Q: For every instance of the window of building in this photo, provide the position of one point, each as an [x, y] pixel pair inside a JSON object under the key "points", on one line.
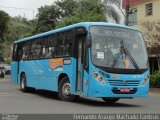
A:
{"points": [[149, 9], [133, 17]]}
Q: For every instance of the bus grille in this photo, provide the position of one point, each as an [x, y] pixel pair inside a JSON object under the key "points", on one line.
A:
{"points": [[124, 82]]}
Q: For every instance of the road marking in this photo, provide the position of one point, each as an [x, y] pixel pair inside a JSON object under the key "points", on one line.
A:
{"points": [[3, 80], [7, 94]]}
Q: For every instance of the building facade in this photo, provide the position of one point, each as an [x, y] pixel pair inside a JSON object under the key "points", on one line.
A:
{"points": [[140, 12]]}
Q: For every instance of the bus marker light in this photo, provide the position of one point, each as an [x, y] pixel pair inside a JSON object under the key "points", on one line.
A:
{"points": [[86, 82]]}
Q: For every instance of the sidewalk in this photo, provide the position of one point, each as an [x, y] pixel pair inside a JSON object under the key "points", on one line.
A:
{"points": [[157, 90]]}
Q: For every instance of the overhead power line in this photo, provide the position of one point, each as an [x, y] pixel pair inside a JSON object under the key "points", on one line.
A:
{"points": [[17, 8]]}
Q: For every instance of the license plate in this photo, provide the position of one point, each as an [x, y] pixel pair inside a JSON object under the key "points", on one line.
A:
{"points": [[125, 90]]}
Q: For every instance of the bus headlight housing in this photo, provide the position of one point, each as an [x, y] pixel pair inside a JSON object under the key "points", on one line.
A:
{"points": [[99, 78], [145, 80]]}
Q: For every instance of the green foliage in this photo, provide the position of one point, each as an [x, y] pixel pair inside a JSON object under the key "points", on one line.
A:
{"points": [[67, 12], [66, 7], [155, 80], [19, 29], [8, 61], [47, 17], [87, 11], [4, 19]]}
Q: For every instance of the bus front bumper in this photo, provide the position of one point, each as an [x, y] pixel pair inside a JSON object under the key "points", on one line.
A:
{"points": [[112, 92]]}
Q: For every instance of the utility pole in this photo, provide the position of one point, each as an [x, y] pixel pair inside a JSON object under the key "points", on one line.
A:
{"points": [[33, 14], [127, 12]]}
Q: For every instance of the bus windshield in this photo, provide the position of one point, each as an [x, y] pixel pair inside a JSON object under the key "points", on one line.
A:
{"points": [[118, 48]]}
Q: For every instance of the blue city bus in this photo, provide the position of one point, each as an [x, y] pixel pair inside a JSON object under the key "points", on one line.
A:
{"points": [[92, 59]]}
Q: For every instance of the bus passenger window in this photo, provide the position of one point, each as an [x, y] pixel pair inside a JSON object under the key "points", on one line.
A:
{"points": [[14, 54], [25, 53], [68, 49], [35, 49]]}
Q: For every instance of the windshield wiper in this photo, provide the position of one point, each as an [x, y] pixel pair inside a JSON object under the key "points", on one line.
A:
{"points": [[131, 58], [126, 52], [116, 59]]}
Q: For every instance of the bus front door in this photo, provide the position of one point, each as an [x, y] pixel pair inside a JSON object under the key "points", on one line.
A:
{"points": [[80, 70], [15, 64]]}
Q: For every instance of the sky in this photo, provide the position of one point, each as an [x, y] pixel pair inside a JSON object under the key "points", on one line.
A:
{"points": [[13, 7]]}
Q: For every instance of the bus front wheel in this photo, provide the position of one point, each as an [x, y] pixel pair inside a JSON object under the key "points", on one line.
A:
{"points": [[23, 85], [64, 92], [110, 100]]}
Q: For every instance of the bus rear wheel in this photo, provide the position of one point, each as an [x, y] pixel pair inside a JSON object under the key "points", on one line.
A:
{"points": [[23, 85], [64, 92], [110, 100]]}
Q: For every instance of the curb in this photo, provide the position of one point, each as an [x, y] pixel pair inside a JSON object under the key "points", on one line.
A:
{"points": [[155, 90]]}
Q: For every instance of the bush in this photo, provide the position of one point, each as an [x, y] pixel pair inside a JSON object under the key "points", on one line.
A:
{"points": [[155, 80], [8, 61]]}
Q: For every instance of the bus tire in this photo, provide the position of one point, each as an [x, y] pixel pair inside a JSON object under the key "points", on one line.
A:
{"points": [[110, 100], [64, 92], [23, 85]]}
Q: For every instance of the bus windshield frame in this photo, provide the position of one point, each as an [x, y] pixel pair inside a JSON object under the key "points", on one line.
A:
{"points": [[125, 48]]}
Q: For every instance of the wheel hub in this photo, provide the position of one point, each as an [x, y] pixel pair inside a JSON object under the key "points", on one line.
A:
{"points": [[66, 89], [22, 84]]}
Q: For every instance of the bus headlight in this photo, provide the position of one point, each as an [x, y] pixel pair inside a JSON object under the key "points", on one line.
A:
{"points": [[99, 78], [95, 75], [145, 80]]}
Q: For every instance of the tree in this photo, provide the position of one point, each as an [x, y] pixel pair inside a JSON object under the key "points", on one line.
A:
{"points": [[66, 7], [66, 12], [46, 18], [85, 11], [151, 31], [4, 19], [111, 11], [18, 28]]}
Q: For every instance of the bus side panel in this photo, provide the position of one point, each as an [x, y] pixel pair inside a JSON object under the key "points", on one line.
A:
{"points": [[85, 83], [48, 79], [52, 73], [31, 70], [40, 76], [72, 75], [70, 70], [14, 72]]}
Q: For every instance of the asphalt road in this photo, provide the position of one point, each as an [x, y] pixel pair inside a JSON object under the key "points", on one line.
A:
{"points": [[12, 100]]}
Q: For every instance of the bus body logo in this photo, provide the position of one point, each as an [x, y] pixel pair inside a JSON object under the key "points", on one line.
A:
{"points": [[125, 82], [55, 63]]}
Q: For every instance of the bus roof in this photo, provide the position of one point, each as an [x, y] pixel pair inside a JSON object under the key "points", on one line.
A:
{"points": [[82, 24]]}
